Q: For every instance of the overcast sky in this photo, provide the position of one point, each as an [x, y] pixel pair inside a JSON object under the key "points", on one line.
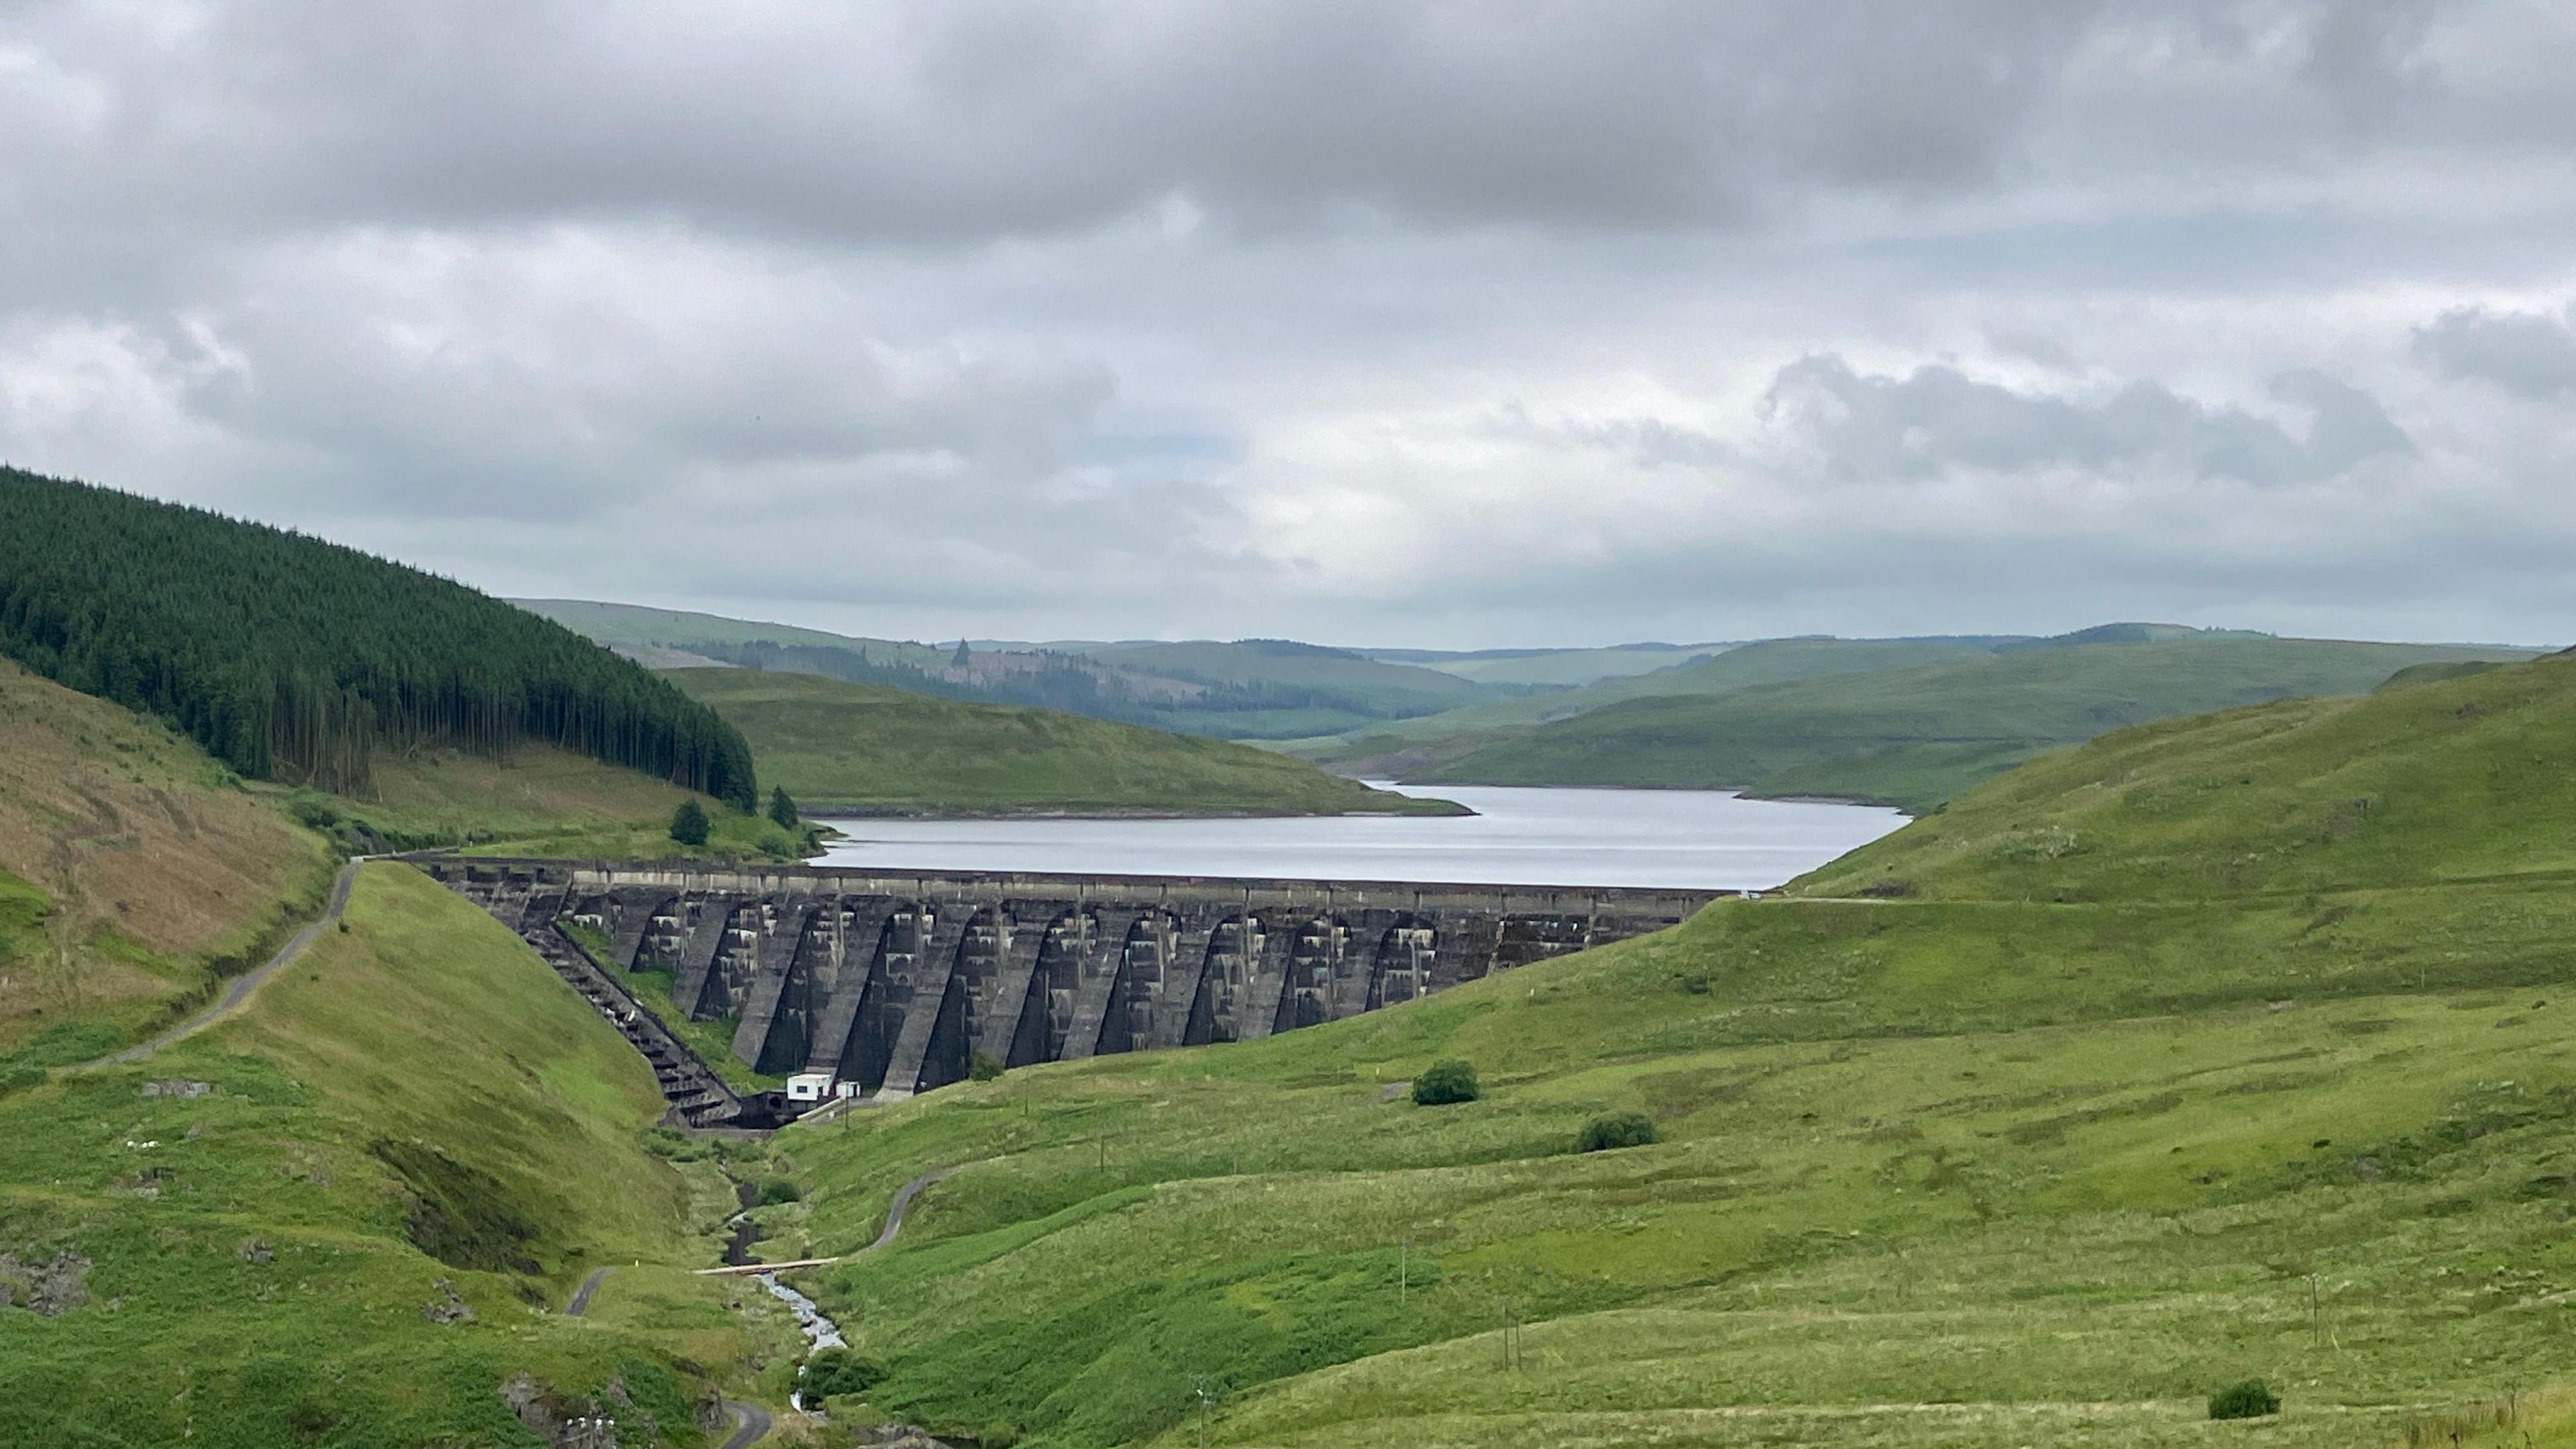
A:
{"points": [[1439, 324]]}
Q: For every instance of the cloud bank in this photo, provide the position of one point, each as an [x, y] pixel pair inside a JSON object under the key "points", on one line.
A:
{"points": [[1416, 322]]}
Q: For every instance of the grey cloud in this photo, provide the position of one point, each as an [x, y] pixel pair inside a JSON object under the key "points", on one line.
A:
{"points": [[927, 121], [1936, 419], [2526, 353]]}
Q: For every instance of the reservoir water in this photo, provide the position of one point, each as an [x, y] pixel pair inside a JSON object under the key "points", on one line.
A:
{"points": [[1673, 839]]}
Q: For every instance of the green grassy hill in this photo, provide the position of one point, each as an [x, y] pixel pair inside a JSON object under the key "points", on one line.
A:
{"points": [[1916, 736], [876, 749], [2213, 1049], [416, 1106], [1404, 748]]}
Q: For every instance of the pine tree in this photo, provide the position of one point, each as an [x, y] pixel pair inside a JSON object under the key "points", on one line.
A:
{"points": [[781, 809], [689, 824], [962, 658]]}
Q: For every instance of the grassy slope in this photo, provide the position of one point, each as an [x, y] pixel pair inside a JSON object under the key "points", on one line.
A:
{"points": [[1403, 748], [421, 1056], [1915, 737], [2041, 1153], [539, 800], [133, 871], [837, 746]]}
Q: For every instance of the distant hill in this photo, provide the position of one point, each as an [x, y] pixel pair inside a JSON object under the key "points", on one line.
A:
{"points": [[840, 747], [1247, 689], [294, 659], [1551, 668], [1402, 748], [1913, 734]]}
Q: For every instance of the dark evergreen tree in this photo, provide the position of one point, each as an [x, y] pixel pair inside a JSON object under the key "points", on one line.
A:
{"points": [[689, 824], [290, 658], [781, 809], [963, 657]]}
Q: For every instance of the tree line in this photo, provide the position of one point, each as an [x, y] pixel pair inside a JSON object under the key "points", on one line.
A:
{"points": [[295, 659]]}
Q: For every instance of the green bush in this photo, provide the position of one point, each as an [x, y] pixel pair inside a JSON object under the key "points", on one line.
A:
{"points": [[19, 1079], [689, 824], [313, 812], [775, 1190], [2247, 1400], [835, 1371], [1616, 1129], [1444, 1082], [984, 1068], [782, 810]]}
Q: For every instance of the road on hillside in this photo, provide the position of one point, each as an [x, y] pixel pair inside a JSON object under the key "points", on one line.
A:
{"points": [[751, 1424], [902, 1204], [243, 985], [581, 1295]]}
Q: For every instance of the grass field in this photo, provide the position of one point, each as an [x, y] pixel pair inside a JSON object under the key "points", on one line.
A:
{"points": [[2161, 1063], [417, 1102], [1918, 735], [874, 749]]}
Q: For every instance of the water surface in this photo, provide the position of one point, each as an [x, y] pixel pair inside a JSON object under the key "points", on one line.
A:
{"points": [[1671, 839]]}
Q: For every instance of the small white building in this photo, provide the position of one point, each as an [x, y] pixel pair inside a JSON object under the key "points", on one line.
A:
{"points": [[809, 1086]]}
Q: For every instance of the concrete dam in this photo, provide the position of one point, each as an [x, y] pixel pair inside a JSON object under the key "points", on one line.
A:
{"points": [[858, 982]]}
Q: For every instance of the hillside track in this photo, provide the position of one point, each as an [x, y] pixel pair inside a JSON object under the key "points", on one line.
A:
{"points": [[751, 1424], [240, 988], [581, 1296]]}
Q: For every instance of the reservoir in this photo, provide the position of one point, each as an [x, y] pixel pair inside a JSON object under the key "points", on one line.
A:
{"points": [[1670, 839]]}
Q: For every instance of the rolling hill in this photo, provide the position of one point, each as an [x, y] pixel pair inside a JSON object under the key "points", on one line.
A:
{"points": [[1912, 735], [1247, 689], [874, 749], [1552, 668], [1400, 748], [2213, 1049]]}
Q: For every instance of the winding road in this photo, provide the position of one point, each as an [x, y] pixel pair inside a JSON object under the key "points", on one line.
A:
{"points": [[902, 1204], [750, 1424], [243, 985], [581, 1295]]}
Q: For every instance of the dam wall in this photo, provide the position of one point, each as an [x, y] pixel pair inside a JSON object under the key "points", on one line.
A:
{"points": [[892, 983]]}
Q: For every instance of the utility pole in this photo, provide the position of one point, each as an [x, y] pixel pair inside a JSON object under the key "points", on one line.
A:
{"points": [[2316, 1313], [1404, 1272], [1206, 1390]]}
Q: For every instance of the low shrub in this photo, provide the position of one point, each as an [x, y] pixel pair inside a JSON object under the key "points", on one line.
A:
{"points": [[2249, 1399], [313, 812], [1445, 1082], [984, 1068], [833, 1371], [776, 1190], [1616, 1129]]}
